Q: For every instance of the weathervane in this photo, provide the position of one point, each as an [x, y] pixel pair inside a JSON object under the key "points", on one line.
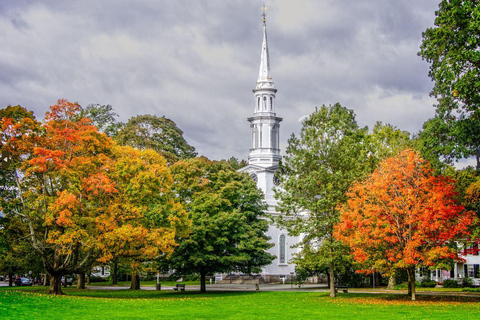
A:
{"points": [[264, 14]]}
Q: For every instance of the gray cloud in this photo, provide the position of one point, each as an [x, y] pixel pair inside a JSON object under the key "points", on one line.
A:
{"points": [[196, 62]]}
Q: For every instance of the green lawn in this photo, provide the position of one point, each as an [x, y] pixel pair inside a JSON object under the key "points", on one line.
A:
{"points": [[32, 303]]}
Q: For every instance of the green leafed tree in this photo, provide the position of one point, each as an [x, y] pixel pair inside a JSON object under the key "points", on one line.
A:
{"points": [[228, 222], [103, 117], [17, 255], [157, 133], [235, 163], [319, 167], [386, 141], [452, 47]]}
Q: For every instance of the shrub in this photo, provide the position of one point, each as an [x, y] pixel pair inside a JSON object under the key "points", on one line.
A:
{"points": [[467, 283], [450, 283], [427, 283], [192, 277], [173, 277], [97, 279]]}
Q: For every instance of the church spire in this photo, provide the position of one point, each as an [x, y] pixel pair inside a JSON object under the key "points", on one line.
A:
{"points": [[265, 125], [264, 73]]}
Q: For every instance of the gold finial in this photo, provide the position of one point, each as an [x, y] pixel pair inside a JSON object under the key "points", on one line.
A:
{"points": [[264, 14]]}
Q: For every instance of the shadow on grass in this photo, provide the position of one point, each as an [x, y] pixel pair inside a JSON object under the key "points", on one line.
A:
{"points": [[403, 298], [354, 298], [135, 294]]}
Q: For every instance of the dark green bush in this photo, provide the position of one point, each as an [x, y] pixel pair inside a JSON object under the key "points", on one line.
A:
{"points": [[427, 283], [192, 277], [467, 283], [450, 283], [97, 279]]}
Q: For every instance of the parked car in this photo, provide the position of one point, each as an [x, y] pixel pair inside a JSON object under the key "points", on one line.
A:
{"points": [[69, 281], [476, 282], [23, 282]]}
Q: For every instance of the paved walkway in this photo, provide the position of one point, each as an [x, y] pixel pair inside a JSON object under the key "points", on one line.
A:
{"points": [[229, 287]]}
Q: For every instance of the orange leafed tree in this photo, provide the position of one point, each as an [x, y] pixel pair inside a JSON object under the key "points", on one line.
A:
{"points": [[141, 220], [402, 217], [79, 195], [52, 165]]}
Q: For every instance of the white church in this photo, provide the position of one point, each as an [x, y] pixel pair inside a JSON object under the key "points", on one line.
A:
{"points": [[263, 163]]}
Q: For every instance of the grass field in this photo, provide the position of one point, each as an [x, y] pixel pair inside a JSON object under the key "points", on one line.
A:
{"points": [[33, 303]]}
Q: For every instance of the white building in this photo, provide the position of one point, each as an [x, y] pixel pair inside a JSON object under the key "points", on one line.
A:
{"points": [[470, 268], [263, 161]]}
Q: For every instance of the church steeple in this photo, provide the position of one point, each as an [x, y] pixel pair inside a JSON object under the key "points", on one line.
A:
{"points": [[265, 125], [264, 73]]}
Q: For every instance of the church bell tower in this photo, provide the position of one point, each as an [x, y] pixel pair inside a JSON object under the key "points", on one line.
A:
{"points": [[263, 162], [265, 125]]}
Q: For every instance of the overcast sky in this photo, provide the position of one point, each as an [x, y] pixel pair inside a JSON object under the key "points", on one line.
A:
{"points": [[196, 62]]}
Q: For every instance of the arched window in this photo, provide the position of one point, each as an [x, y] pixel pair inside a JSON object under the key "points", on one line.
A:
{"points": [[282, 249], [265, 103], [271, 103], [258, 103]]}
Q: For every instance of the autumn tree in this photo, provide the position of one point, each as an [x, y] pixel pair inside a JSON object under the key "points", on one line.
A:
{"points": [[472, 198], [18, 134], [228, 222], [142, 219], [58, 169], [452, 48], [402, 217], [157, 133], [319, 167]]}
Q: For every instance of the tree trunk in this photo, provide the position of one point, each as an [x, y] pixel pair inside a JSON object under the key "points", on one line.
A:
{"points": [[332, 281], [65, 283], [377, 279], [115, 271], [88, 278], [203, 276], [477, 156], [81, 280], [45, 280], [135, 284], [391, 282], [10, 279], [56, 285], [411, 283]]}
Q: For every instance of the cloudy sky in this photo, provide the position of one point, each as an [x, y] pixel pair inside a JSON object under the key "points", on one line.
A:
{"points": [[196, 62]]}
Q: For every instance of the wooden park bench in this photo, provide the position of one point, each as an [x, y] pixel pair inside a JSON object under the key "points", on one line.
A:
{"points": [[343, 287], [179, 287]]}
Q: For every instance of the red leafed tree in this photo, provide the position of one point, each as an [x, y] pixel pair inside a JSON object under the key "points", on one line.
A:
{"points": [[402, 217]]}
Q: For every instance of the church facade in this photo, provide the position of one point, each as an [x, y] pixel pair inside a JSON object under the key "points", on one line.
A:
{"points": [[263, 162]]}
